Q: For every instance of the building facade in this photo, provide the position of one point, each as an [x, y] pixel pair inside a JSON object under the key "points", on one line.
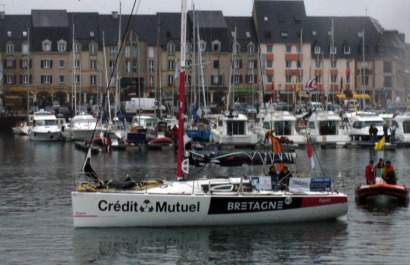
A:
{"points": [[57, 57]]}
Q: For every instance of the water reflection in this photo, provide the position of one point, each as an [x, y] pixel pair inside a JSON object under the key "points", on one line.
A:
{"points": [[239, 244]]}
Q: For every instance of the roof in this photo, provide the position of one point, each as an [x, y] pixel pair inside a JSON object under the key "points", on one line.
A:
{"points": [[49, 18]]}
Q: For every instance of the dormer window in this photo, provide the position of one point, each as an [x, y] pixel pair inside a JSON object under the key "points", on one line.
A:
{"points": [[25, 48], [203, 46], [317, 50], [236, 48], [62, 46], [333, 50], [77, 47], [346, 49], [171, 49], [46, 46], [216, 46], [93, 48], [10, 48], [251, 49]]}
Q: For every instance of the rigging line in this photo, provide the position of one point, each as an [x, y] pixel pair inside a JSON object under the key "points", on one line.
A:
{"points": [[111, 76]]}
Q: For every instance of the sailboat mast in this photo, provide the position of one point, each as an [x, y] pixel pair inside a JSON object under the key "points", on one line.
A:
{"points": [[74, 88], [28, 74], [182, 91]]}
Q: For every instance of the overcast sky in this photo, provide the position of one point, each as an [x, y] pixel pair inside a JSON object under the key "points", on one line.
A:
{"points": [[392, 14]]}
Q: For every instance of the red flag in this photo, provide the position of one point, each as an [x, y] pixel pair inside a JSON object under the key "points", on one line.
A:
{"points": [[310, 153], [309, 149]]}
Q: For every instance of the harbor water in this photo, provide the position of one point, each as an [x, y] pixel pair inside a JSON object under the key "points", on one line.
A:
{"points": [[37, 225]]}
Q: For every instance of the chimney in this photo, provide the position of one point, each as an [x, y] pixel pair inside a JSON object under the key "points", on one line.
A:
{"points": [[114, 15]]}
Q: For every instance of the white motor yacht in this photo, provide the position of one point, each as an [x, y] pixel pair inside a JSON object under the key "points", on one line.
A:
{"points": [[45, 127]]}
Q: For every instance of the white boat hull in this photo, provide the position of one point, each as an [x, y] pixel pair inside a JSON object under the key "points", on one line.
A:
{"points": [[142, 209], [224, 139], [45, 136]]}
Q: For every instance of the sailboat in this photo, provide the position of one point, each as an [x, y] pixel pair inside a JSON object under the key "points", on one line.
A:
{"points": [[235, 200]]}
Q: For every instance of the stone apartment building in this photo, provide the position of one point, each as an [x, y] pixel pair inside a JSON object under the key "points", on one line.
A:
{"points": [[71, 58]]}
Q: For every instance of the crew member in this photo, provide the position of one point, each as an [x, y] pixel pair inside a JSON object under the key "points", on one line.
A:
{"points": [[370, 173], [284, 176], [389, 173]]}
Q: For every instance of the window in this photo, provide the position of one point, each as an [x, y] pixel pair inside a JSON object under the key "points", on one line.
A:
{"points": [[298, 64], [77, 64], [270, 78], [288, 49], [61, 79], [62, 46], [46, 79], [203, 46], [25, 63], [151, 81], [288, 64], [61, 63], [46, 64], [250, 79], [299, 49], [113, 51], [10, 48], [236, 49], [93, 80], [237, 64], [237, 79], [128, 66], [251, 49], [9, 63], [25, 48], [346, 49], [333, 79], [288, 79], [171, 49], [93, 48], [127, 51], [318, 63], [170, 80], [317, 50], [25, 79], [269, 48], [236, 127], [10, 79], [170, 64], [333, 50], [77, 79], [93, 64], [216, 46], [216, 64], [151, 67], [333, 64], [216, 80], [46, 46], [387, 67], [77, 47], [269, 64], [134, 66], [251, 64], [111, 65]]}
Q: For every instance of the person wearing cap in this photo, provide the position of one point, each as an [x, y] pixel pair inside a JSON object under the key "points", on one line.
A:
{"points": [[369, 173], [389, 173]]}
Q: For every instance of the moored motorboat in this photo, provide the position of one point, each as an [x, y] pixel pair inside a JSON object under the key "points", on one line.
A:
{"points": [[382, 192]]}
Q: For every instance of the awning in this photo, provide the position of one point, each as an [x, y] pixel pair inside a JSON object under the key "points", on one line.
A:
{"points": [[361, 96]]}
